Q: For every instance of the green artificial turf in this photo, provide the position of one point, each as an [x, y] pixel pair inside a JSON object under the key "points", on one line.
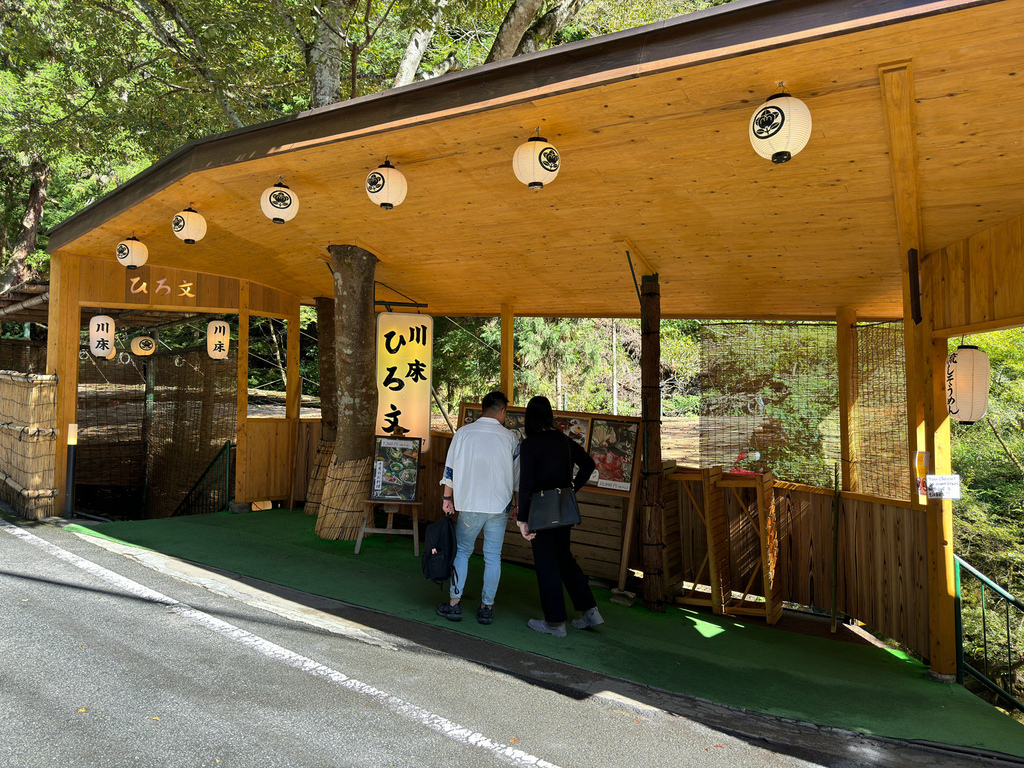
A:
{"points": [[721, 659]]}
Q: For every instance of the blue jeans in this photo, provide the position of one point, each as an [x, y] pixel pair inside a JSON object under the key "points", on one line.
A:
{"points": [[466, 530]]}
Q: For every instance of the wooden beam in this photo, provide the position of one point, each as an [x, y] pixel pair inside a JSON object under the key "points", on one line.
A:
{"points": [[897, 85], [641, 265], [507, 350], [62, 345], [846, 351], [651, 528]]}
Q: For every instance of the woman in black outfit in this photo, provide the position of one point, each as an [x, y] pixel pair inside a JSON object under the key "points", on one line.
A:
{"points": [[546, 459]]}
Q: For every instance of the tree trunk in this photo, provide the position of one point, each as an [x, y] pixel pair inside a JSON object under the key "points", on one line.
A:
{"points": [[410, 62], [347, 483], [548, 25], [650, 493], [518, 19], [328, 405], [325, 58], [17, 270]]}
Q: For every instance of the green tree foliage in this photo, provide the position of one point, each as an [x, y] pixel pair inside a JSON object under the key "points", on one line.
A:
{"points": [[989, 519]]}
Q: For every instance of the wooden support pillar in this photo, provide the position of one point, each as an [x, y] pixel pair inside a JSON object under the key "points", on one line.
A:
{"points": [[897, 85], [242, 395], [293, 396], [846, 349], [650, 492], [62, 344], [508, 350], [939, 521]]}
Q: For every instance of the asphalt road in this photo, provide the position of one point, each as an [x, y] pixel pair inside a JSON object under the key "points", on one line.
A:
{"points": [[115, 657]]}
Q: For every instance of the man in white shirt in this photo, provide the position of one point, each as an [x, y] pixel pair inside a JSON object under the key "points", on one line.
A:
{"points": [[481, 479]]}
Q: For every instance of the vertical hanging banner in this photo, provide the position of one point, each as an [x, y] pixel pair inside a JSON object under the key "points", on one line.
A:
{"points": [[218, 339], [405, 352], [101, 336]]}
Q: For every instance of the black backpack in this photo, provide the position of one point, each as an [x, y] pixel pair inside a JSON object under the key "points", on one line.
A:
{"points": [[439, 550]]}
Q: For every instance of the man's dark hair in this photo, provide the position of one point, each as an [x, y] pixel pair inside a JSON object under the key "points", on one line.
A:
{"points": [[494, 401], [539, 415]]}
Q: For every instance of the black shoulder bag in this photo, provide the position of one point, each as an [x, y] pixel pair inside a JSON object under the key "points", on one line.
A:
{"points": [[556, 508]]}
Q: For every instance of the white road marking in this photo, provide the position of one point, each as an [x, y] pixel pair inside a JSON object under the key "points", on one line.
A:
{"points": [[271, 650]]}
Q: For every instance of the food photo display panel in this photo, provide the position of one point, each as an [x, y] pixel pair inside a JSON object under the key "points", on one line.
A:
{"points": [[613, 448], [396, 468]]}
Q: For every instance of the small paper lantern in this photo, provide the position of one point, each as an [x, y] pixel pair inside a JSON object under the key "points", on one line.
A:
{"points": [[189, 226], [386, 186], [536, 163], [218, 339], [132, 253], [279, 203], [780, 127], [143, 346], [967, 379], [101, 337]]}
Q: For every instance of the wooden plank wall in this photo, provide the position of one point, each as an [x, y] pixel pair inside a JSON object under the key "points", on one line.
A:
{"points": [[267, 450], [305, 457], [883, 559], [978, 284]]}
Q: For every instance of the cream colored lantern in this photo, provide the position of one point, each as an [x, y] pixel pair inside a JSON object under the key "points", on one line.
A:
{"points": [[780, 127], [967, 380]]}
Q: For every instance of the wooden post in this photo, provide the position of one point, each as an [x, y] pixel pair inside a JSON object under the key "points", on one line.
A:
{"points": [[846, 349], [62, 344], [897, 84], [939, 513], [242, 395], [650, 498], [293, 396], [507, 350]]}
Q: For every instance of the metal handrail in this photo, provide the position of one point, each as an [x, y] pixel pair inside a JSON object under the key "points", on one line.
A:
{"points": [[963, 667], [201, 498]]}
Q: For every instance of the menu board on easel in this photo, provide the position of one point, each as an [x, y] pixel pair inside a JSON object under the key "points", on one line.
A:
{"points": [[396, 466]]}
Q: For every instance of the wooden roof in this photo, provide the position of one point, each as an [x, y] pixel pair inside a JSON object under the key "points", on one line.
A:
{"points": [[651, 125]]}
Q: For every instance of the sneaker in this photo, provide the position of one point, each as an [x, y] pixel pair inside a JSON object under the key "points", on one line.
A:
{"points": [[589, 618], [485, 615], [450, 612], [539, 625]]}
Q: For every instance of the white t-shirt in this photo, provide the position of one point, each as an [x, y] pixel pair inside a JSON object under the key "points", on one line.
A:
{"points": [[482, 467]]}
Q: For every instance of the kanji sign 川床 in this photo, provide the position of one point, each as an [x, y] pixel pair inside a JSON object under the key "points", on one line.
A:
{"points": [[405, 346]]}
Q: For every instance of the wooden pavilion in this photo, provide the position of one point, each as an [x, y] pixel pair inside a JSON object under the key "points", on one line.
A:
{"points": [[907, 193]]}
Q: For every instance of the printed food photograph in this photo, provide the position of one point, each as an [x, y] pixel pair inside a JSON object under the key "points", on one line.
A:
{"points": [[575, 427], [396, 469], [613, 447]]}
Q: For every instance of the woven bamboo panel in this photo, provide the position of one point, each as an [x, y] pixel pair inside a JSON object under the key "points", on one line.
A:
{"points": [[27, 443], [346, 486]]}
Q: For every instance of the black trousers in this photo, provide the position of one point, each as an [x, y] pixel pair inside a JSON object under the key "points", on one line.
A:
{"points": [[556, 566]]}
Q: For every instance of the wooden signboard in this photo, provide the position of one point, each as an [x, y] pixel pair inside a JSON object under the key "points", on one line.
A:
{"points": [[396, 468]]}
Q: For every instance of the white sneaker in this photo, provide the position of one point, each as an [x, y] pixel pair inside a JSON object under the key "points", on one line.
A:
{"points": [[539, 625], [589, 618]]}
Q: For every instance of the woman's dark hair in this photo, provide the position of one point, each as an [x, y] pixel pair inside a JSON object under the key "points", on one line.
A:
{"points": [[539, 415]]}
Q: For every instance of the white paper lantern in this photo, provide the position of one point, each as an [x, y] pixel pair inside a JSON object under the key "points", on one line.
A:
{"points": [[143, 346], [780, 127], [101, 337], [536, 163], [132, 253], [967, 379], [279, 203], [387, 186], [189, 226], [218, 339]]}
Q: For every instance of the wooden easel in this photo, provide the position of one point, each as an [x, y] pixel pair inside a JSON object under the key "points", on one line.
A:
{"points": [[391, 508]]}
